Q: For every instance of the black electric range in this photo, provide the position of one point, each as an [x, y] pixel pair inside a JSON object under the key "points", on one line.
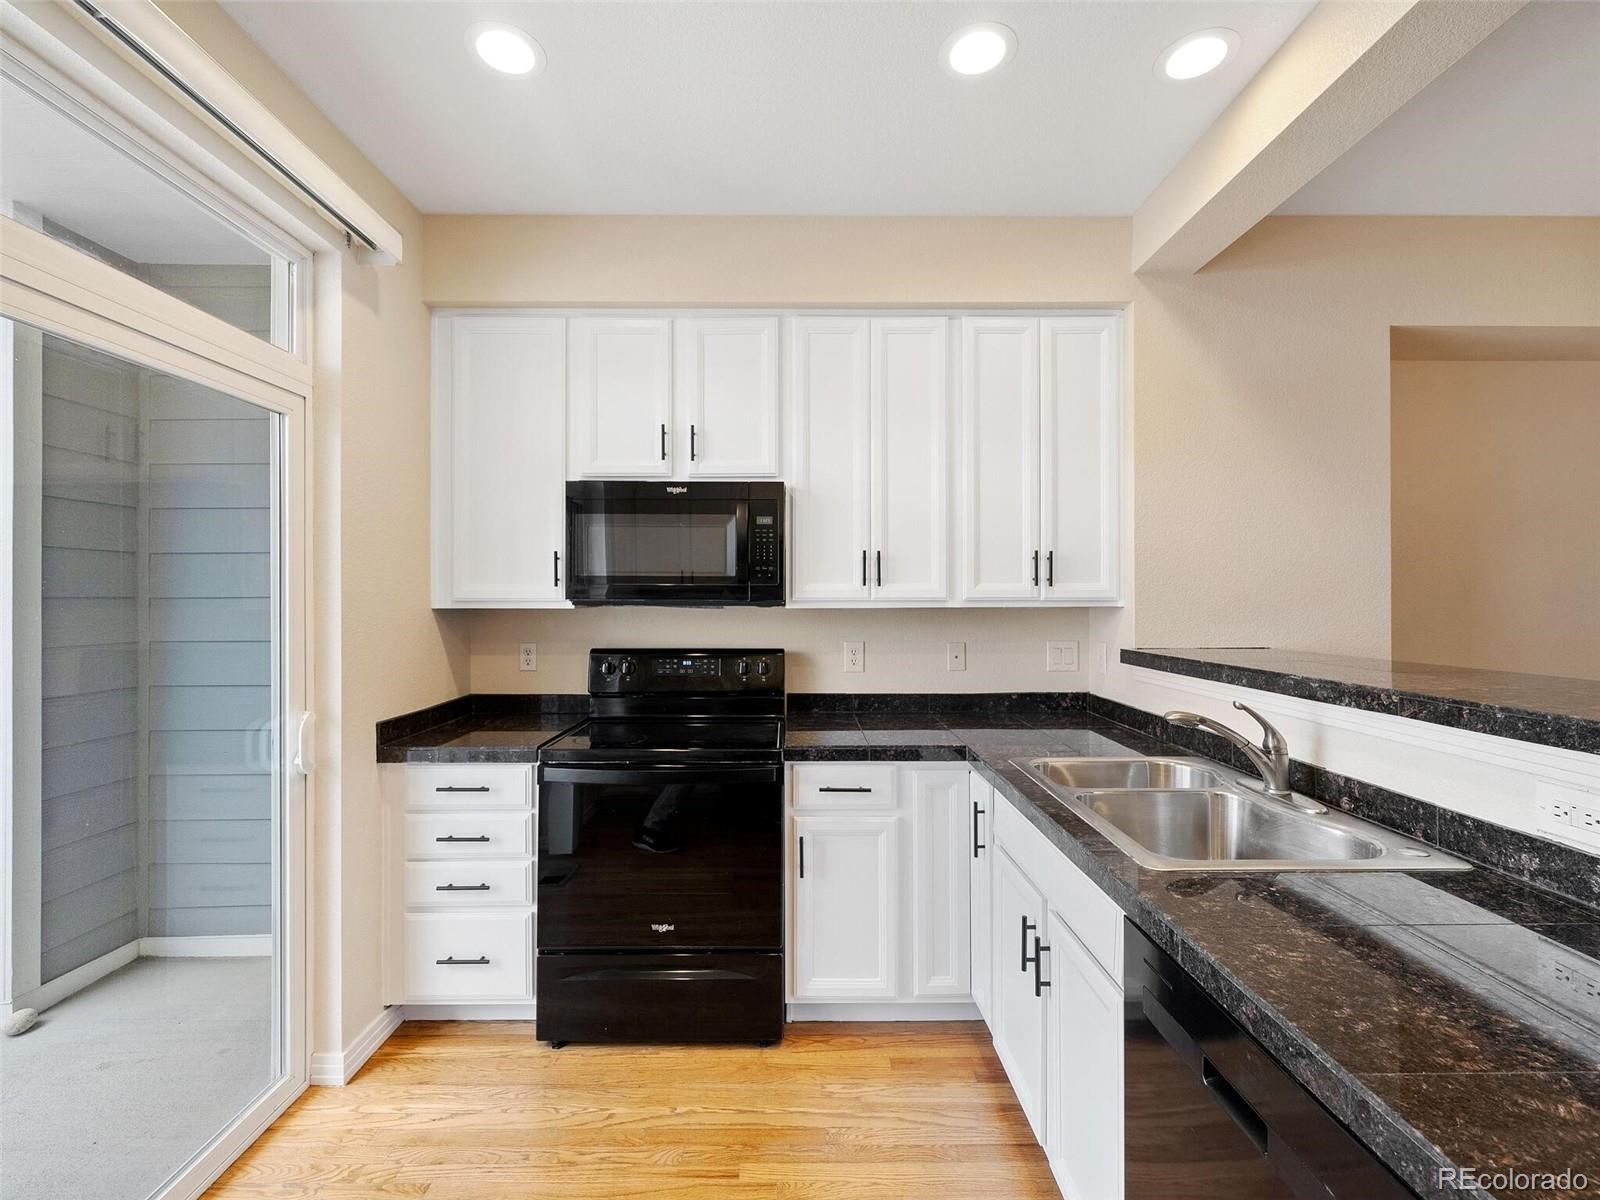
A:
{"points": [[661, 853]]}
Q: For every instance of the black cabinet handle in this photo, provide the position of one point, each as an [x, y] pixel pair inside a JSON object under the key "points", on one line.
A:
{"points": [[663, 443], [1050, 569], [557, 553], [802, 856], [692, 436], [844, 789], [1027, 928], [878, 555], [863, 568], [482, 787], [450, 837], [453, 961], [1035, 568], [976, 844], [462, 887], [1039, 951]]}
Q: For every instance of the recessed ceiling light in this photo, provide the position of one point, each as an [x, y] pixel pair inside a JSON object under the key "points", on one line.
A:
{"points": [[977, 49], [506, 48], [1198, 54]]}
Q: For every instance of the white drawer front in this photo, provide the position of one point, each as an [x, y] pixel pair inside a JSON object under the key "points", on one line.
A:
{"points": [[848, 787], [468, 884], [469, 835], [467, 786], [446, 952]]}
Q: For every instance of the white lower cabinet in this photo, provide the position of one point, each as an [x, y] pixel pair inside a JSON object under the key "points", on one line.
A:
{"points": [[980, 918], [1084, 1071], [1018, 1005], [878, 883], [458, 869]]}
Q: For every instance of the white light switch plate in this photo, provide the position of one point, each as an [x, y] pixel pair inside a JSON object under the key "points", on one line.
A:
{"points": [[955, 654], [528, 660], [1061, 656], [855, 657]]}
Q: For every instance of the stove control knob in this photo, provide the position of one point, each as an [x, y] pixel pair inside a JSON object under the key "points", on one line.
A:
{"points": [[608, 668], [763, 667], [742, 666], [629, 666]]}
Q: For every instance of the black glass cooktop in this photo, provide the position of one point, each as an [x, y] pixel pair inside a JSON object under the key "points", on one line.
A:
{"points": [[673, 737]]}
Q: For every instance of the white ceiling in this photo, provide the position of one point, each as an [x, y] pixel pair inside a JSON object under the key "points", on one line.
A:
{"points": [[776, 107], [1513, 128]]}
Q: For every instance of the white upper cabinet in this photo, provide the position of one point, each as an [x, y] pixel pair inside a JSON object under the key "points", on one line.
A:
{"points": [[620, 404], [829, 450], [910, 456], [727, 396], [499, 507], [1000, 458], [1080, 435]]}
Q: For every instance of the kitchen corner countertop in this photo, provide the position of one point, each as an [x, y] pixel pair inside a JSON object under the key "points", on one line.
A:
{"points": [[1549, 710], [1448, 1019]]}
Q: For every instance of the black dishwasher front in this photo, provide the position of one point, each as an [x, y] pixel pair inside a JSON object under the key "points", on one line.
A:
{"points": [[1209, 1114]]}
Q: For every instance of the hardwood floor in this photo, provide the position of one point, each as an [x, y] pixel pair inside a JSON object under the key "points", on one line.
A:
{"points": [[481, 1111]]}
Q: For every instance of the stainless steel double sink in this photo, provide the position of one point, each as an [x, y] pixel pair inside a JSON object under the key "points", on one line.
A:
{"points": [[1187, 814]]}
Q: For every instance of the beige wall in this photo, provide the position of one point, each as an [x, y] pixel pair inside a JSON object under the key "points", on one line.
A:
{"points": [[1260, 386], [1497, 515], [380, 649]]}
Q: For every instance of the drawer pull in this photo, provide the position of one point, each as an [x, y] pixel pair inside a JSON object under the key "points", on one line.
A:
{"points": [[453, 961], [482, 787], [844, 789], [450, 837], [462, 887]]}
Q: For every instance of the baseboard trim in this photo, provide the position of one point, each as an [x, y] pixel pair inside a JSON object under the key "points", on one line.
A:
{"points": [[75, 980], [958, 1010], [469, 1012], [338, 1069], [243, 945]]}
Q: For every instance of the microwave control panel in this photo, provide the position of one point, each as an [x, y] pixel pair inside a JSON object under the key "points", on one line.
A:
{"points": [[766, 543]]}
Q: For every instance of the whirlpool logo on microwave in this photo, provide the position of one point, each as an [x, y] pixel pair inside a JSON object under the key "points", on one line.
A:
{"points": [[677, 491], [663, 928]]}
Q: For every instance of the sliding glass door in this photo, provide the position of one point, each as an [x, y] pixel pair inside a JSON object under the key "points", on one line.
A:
{"points": [[149, 804], [153, 767]]}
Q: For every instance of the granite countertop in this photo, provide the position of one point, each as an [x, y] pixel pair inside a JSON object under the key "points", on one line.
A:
{"points": [[1551, 710], [1447, 1019]]}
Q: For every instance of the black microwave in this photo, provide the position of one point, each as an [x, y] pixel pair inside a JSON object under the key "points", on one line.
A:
{"points": [[707, 544]]}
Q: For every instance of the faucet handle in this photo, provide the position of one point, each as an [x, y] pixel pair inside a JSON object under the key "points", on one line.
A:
{"points": [[1271, 740]]}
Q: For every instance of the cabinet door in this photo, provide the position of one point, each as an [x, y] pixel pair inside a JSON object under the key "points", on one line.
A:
{"points": [[1085, 1071], [1018, 1023], [910, 458], [1080, 427], [728, 395], [1000, 459], [941, 863], [829, 459], [846, 907], [499, 493], [980, 798], [620, 405]]}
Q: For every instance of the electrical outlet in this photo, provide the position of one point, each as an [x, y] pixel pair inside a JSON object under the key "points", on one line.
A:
{"points": [[1100, 657], [1061, 656], [855, 657], [529, 659], [955, 656], [1569, 814]]}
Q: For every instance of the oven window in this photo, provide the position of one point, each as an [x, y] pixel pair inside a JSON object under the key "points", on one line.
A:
{"points": [[655, 543]]}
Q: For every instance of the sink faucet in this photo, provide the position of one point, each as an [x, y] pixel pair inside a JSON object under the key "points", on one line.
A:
{"points": [[1271, 758]]}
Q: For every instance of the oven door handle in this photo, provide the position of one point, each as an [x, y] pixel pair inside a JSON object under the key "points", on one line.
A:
{"points": [[665, 773]]}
